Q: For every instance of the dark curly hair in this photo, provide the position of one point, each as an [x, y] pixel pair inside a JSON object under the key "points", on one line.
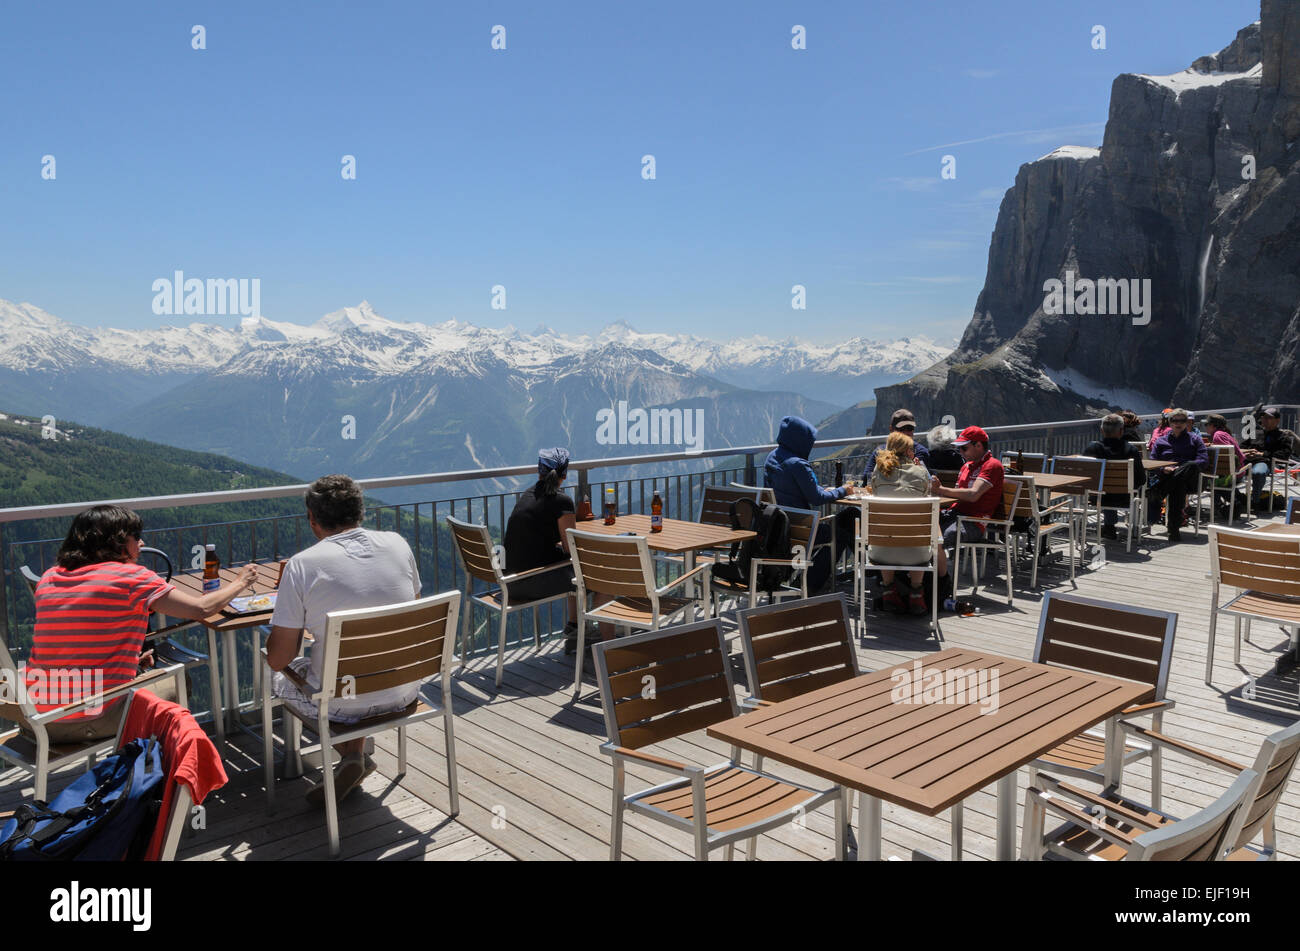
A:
{"points": [[335, 502], [99, 534]]}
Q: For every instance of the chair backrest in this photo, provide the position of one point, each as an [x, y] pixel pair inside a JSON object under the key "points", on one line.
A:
{"points": [[803, 527], [765, 493], [1026, 505], [900, 522], [474, 545], [1258, 561], [1118, 478], [1138, 643], [1205, 836], [1224, 462], [369, 649], [715, 504], [1010, 502], [30, 577], [1291, 510], [1143, 447], [1081, 466], [796, 646], [947, 477], [614, 565], [1274, 763], [1027, 461], [665, 683]]}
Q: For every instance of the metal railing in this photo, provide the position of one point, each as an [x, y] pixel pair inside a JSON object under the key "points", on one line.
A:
{"points": [[422, 523]]}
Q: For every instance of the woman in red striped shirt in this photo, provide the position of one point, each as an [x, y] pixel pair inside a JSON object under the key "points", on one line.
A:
{"points": [[92, 614]]}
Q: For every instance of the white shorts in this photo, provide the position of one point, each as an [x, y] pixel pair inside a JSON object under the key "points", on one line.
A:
{"points": [[344, 710]]}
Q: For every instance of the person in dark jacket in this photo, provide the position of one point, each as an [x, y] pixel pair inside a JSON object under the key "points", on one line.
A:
{"points": [[1186, 449], [1271, 443], [943, 455], [1114, 444], [789, 475], [901, 422]]}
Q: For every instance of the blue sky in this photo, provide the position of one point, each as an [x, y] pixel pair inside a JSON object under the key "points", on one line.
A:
{"points": [[522, 167]]}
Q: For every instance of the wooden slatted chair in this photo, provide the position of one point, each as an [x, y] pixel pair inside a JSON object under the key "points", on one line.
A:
{"points": [[1127, 834], [26, 746], [898, 523], [1291, 510], [947, 477], [366, 650], [714, 509], [803, 528], [792, 648], [1025, 461], [997, 537], [1113, 640], [1265, 568], [1095, 471], [485, 563], [1029, 509], [765, 494], [1223, 465], [669, 683], [619, 568], [1117, 479]]}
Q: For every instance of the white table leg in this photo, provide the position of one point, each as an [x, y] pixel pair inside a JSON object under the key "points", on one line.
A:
{"points": [[868, 828], [688, 564], [1006, 843], [1114, 753], [232, 679], [958, 815]]}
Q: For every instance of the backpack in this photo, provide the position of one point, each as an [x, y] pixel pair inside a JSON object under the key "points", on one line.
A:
{"points": [[772, 540], [107, 814]]}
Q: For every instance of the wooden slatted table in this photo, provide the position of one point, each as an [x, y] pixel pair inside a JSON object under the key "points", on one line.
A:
{"points": [[885, 736], [227, 623]]}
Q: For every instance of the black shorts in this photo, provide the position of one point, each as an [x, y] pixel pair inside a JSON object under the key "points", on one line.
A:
{"points": [[559, 581]]}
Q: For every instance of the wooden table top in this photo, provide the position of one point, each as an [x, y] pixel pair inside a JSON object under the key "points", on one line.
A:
{"points": [[678, 537], [1278, 528], [267, 575], [1051, 480], [1150, 464], [873, 734]]}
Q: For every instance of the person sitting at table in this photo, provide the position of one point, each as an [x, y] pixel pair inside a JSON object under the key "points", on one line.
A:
{"points": [[788, 474], [1188, 451], [1217, 426], [1113, 445], [901, 422], [1271, 443], [978, 491], [349, 567], [535, 538], [1132, 426], [1161, 427], [92, 615], [898, 475], [944, 457]]}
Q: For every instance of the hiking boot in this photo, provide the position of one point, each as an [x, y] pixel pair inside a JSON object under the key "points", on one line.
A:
{"points": [[1175, 535], [892, 603], [347, 776], [916, 605]]}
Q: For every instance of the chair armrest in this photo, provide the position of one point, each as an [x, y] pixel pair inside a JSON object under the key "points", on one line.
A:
{"points": [[536, 571], [1143, 708], [1082, 819], [1186, 748], [753, 703], [684, 577], [657, 762], [1063, 504], [98, 699]]}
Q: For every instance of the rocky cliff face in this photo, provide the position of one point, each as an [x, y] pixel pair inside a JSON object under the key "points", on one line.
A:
{"points": [[1196, 190]]}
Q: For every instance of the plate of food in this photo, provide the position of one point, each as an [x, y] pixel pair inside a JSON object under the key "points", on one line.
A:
{"points": [[253, 603]]}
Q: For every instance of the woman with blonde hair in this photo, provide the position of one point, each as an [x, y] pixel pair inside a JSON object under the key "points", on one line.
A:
{"points": [[897, 474]]}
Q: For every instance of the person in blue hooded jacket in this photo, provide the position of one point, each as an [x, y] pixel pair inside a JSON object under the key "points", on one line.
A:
{"points": [[788, 473]]}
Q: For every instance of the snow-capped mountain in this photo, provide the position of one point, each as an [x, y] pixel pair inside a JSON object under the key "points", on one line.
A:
{"points": [[424, 397]]}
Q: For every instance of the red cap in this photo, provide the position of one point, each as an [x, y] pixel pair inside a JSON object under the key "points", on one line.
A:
{"points": [[971, 434]]}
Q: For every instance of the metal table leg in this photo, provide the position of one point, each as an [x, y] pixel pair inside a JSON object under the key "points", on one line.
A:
{"points": [[868, 828], [1006, 847]]}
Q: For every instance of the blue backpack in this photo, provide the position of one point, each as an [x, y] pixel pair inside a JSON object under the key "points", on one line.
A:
{"points": [[107, 814]]}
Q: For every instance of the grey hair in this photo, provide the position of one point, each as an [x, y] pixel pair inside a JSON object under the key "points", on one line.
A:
{"points": [[1112, 424], [940, 437]]}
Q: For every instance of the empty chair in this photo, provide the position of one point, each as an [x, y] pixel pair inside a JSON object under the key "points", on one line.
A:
{"points": [[1223, 465], [1038, 525], [484, 563], [1025, 461], [669, 683], [1113, 640], [1117, 484], [714, 509], [792, 648], [1094, 470], [368, 650], [1265, 568], [618, 571]]}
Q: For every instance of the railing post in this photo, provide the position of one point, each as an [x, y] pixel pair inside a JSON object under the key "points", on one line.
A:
{"points": [[751, 473], [4, 590], [584, 486]]}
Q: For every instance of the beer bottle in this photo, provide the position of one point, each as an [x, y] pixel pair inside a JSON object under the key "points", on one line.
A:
{"points": [[611, 506], [839, 473], [656, 513], [211, 570]]}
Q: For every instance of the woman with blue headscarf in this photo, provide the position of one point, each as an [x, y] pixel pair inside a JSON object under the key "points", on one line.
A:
{"points": [[535, 537]]}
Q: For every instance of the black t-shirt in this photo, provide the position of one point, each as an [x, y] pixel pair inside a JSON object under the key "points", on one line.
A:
{"points": [[533, 533]]}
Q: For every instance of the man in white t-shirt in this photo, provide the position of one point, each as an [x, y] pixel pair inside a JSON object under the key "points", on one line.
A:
{"points": [[350, 567]]}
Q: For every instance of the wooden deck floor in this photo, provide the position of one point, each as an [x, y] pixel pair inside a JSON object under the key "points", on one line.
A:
{"points": [[534, 786]]}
